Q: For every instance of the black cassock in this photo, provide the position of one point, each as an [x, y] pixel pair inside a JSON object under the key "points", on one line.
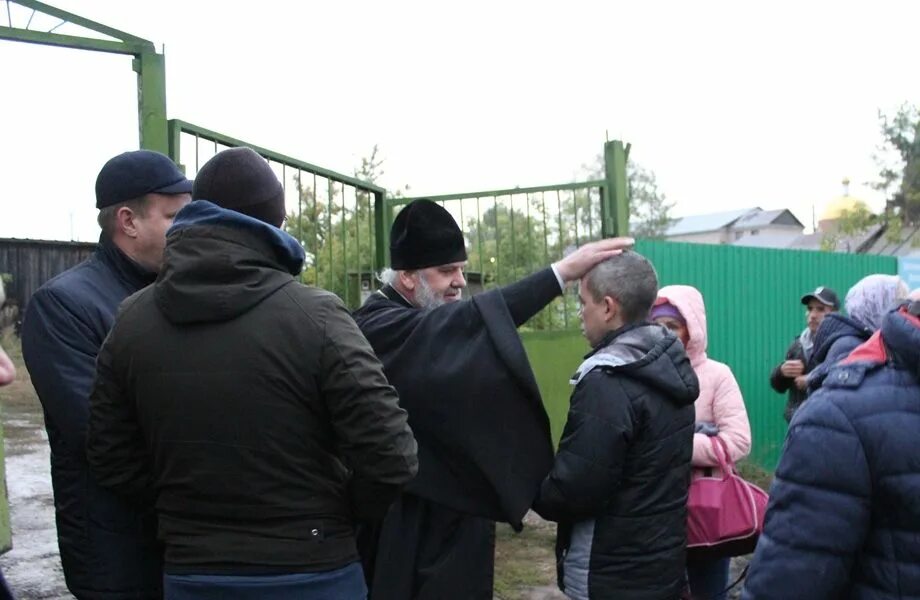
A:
{"points": [[483, 437]]}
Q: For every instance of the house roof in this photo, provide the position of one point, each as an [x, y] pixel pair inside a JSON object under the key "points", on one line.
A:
{"points": [[763, 218], [861, 243], [906, 244], [709, 222]]}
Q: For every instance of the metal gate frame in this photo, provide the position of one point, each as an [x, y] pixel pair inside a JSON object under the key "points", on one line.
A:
{"points": [[149, 65]]}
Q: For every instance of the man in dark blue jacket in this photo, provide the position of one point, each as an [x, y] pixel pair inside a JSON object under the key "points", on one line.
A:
{"points": [[108, 547], [843, 515]]}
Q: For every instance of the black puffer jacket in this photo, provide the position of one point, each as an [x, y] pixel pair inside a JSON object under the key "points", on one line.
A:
{"points": [[108, 545], [619, 484], [250, 404]]}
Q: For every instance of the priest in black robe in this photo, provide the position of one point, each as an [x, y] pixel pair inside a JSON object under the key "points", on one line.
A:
{"points": [[463, 377]]}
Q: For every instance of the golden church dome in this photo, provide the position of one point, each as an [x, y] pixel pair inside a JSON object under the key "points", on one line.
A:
{"points": [[842, 204]]}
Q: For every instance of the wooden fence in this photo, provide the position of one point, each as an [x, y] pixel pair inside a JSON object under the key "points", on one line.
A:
{"points": [[27, 264]]}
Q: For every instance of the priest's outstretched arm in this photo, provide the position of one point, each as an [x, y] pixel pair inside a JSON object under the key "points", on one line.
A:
{"points": [[527, 297]]}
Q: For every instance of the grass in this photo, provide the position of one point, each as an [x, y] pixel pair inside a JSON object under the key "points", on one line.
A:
{"points": [[755, 474], [525, 560]]}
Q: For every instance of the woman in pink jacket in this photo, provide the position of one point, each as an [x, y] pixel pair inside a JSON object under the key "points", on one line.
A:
{"points": [[719, 411]]}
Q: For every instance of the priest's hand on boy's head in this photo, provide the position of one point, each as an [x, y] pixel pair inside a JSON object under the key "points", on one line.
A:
{"points": [[577, 264]]}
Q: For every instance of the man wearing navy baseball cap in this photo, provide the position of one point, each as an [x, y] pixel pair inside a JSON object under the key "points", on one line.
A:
{"points": [[108, 544]]}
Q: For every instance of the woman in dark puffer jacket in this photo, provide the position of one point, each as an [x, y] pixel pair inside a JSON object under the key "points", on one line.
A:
{"points": [[843, 518]]}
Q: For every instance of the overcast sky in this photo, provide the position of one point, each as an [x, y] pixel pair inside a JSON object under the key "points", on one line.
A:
{"points": [[732, 104]]}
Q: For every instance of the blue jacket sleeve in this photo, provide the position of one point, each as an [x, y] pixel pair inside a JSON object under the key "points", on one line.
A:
{"points": [[819, 509], [839, 350], [589, 462], [59, 347]]}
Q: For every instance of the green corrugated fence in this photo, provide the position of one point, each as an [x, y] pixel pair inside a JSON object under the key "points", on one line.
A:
{"points": [[753, 311]]}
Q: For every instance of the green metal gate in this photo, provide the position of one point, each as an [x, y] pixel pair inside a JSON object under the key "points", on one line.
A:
{"points": [[334, 216]]}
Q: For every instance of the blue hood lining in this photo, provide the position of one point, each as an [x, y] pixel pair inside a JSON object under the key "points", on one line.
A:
{"points": [[204, 213]]}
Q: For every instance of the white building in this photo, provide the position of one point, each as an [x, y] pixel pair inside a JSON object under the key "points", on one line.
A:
{"points": [[735, 226]]}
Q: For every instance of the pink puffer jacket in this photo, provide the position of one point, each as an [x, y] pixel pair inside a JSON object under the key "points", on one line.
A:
{"points": [[720, 399]]}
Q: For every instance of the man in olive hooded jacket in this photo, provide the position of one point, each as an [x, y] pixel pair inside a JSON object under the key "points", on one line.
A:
{"points": [[249, 405]]}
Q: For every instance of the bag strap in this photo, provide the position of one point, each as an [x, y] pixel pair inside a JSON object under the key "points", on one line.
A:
{"points": [[741, 577], [720, 448], [722, 593]]}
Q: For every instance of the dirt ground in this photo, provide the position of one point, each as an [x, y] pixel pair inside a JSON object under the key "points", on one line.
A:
{"points": [[32, 567]]}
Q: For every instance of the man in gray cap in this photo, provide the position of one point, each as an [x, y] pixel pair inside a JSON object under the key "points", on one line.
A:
{"points": [[791, 374], [108, 546]]}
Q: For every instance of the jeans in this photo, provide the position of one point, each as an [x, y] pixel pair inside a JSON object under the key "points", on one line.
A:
{"points": [[708, 579], [346, 583]]}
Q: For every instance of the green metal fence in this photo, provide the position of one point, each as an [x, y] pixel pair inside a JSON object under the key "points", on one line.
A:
{"points": [[335, 216], [513, 232]]}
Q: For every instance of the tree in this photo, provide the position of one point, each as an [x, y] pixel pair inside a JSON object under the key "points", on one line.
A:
{"points": [[850, 224], [506, 244], [898, 158], [335, 226], [649, 208]]}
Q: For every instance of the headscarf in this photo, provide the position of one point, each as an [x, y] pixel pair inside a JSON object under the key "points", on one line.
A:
{"points": [[873, 297]]}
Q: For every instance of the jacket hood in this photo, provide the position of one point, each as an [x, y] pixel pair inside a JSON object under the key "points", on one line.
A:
{"points": [[832, 328], [901, 335], [220, 263], [648, 353], [689, 302]]}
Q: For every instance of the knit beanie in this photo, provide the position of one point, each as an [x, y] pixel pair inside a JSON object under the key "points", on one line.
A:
{"points": [[239, 179]]}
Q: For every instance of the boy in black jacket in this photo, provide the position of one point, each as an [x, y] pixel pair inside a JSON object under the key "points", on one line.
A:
{"points": [[619, 484]]}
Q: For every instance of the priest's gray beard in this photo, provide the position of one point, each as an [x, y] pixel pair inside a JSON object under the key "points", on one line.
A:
{"points": [[426, 296]]}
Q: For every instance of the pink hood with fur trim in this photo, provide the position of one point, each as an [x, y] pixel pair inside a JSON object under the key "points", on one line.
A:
{"points": [[720, 399]]}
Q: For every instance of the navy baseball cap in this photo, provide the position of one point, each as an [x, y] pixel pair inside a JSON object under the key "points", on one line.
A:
{"points": [[824, 295], [131, 175]]}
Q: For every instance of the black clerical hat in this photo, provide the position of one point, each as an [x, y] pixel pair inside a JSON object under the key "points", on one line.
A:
{"points": [[425, 235]]}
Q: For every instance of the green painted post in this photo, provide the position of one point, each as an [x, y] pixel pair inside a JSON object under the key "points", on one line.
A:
{"points": [[151, 101], [6, 530], [615, 200], [150, 66], [175, 144], [382, 218]]}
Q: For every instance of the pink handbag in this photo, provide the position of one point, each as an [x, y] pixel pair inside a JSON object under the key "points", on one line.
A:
{"points": [[724, 514]]}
